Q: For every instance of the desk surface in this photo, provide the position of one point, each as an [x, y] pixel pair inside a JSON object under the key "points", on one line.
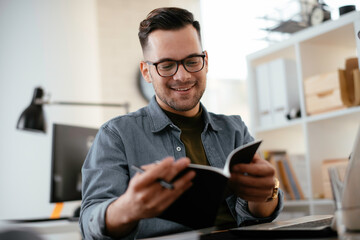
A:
{"points": [[46, 227], [54, 230], [48, 230]]}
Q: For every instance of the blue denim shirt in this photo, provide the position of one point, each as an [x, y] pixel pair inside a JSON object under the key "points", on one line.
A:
{"points": [[143, 137]]}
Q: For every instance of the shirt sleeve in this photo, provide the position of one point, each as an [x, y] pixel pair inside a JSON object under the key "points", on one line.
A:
{"points": [[104, 170], [244, 217]]}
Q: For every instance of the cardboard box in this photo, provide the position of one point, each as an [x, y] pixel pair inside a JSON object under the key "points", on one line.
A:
{"points": [[341, 165], [322, 93]]}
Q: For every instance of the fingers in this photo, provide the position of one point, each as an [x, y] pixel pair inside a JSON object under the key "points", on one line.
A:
{"points": [[154, 172], [254, 181], [150, 196], [258, 167], [180, 186], [166, 169], [177, 167], [252, 189], [184, 183]]}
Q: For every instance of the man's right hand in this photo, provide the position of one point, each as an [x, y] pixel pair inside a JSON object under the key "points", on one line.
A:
{"points": [[145, 197]]}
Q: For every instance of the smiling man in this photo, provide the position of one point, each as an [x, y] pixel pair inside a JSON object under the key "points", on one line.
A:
{"points": [[178, 87], [176, 129]]}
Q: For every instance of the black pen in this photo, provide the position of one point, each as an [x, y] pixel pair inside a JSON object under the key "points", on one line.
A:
{"points": [[162, 182]]}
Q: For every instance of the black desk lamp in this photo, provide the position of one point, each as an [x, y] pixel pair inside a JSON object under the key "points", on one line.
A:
{"points": [[33, 119]]}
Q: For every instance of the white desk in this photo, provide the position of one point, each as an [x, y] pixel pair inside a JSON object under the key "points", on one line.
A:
{"points": [[48, 230]]}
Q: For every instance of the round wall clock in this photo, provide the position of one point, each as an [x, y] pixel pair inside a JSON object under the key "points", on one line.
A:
{"points": [[146, 89]]}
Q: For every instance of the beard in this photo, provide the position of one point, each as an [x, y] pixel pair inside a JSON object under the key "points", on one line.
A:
{"points": [[181, 103]]}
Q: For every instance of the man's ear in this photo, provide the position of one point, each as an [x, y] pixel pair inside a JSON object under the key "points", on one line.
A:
{"points": [[206, 61], [145, 71]]}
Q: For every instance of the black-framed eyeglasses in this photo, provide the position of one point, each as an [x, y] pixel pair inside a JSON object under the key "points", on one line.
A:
{"points": [[168, 67]]}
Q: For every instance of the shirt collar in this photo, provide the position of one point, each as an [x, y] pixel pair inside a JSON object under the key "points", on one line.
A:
{"points": [[160, 121]]}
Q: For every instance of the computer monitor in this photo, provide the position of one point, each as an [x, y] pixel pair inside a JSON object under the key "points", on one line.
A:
{"points": [[70, 145]]}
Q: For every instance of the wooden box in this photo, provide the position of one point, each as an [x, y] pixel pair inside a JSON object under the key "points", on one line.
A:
{"points": [[322, 93], [341, 165]]}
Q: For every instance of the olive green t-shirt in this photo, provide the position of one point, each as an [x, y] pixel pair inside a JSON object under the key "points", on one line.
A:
{"points": [[191, 129]]}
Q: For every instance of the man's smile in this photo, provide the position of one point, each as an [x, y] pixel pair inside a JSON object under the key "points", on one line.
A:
{"points": [[183, 88]]}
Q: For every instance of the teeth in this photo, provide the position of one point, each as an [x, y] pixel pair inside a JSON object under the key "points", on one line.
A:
{"points": [[182, 89]]}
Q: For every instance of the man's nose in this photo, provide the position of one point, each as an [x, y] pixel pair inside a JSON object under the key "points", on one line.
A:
{"points": [[182, 74]]}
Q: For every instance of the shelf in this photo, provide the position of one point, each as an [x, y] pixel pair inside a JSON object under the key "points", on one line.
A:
{"points": [[330, 32], [296, 203], [290, 123], [323, 202], [312, 118], [334, 114], [329, 135], [304, 203]]}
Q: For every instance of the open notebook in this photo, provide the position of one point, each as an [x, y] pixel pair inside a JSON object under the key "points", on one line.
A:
{"points": [[309, 226]]}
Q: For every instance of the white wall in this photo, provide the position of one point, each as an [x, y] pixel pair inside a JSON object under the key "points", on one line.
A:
{"points": [[119, 48], [77, 50], [52, 44]]}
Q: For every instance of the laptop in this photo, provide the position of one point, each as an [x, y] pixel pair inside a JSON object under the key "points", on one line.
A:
{"points": [[315, 226]]}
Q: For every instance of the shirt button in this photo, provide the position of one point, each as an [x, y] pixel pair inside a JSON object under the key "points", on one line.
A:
{"points": [[178, 149]]}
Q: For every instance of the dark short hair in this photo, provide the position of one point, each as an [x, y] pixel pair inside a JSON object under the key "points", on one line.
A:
{"points": [[166, 19]]}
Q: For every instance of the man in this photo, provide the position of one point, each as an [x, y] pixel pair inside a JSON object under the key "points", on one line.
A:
{"points": [[176, 129]]}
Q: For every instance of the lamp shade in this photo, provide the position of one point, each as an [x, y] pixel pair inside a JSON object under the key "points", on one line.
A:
{"points": [[32, 118]]}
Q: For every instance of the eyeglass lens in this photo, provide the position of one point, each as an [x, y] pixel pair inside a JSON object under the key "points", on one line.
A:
{"points": [[191, 64]]}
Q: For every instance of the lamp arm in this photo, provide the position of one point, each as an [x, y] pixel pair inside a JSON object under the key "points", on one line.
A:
{"points": [[124, 105]]}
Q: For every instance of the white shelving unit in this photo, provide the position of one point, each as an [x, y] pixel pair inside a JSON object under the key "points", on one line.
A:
{"points": [[316, 50]]}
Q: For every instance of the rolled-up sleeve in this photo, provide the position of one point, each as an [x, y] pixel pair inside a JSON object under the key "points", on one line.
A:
{"points": [[244, 217], [105, 177]]}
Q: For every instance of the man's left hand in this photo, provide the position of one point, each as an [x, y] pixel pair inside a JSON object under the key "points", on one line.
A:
{"points": [[255, 182]]}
